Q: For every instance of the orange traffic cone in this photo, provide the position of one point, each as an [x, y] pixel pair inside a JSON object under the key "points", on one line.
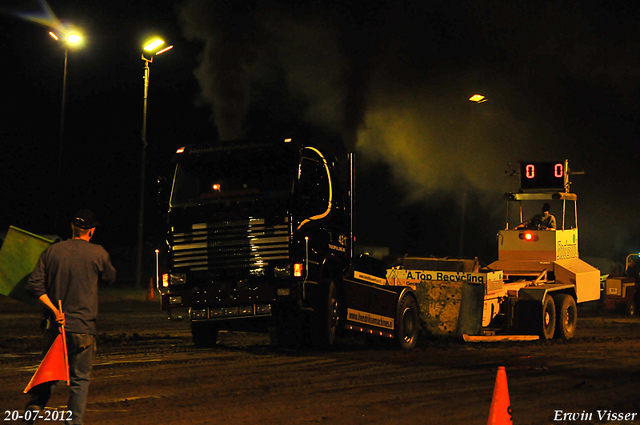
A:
{"points": [[500, 413], [151, 295]]}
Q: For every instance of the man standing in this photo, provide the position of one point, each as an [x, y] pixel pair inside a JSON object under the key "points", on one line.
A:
{"points": [[69, 272], [544, 221], [633, 270]]}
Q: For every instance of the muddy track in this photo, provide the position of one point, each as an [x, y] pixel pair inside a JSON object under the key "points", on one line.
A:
{"points": [[147, 371]]}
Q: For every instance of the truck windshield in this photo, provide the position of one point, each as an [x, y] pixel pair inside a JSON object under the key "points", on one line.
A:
{"points": [[237, 174]]}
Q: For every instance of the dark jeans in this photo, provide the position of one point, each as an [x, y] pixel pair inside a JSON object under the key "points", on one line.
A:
{"points": [[81, 349]]}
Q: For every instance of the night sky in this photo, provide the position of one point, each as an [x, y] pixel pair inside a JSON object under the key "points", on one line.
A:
{"points": [[392, 78]]}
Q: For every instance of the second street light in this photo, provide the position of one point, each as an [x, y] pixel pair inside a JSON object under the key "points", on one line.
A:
{"points": [[69, 39], [152, 48]]}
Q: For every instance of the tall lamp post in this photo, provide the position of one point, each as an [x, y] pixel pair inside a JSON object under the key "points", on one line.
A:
{"points": [[69, 39], [476, 98], [153, 48]]}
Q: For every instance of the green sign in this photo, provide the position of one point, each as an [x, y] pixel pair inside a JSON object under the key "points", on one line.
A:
{"points": [[18, 257]]}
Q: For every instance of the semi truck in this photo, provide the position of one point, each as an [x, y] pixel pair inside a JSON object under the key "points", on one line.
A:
{"points": [[534, 286], [260, 237]]}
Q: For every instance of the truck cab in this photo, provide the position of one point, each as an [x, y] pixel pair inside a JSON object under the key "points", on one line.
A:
{"points": [[256, 231]]}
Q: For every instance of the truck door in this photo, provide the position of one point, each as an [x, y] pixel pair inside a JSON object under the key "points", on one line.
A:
{"points": [[314, 189]]}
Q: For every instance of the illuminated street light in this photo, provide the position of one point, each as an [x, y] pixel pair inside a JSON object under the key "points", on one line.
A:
{"points": [[153, 47], [70, 39], [74, 38], [478, 98]]}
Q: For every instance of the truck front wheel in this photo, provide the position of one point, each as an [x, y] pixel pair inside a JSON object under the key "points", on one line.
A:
{"points": [[326, 317], [205, 334], [566, 316], [548, 324]]}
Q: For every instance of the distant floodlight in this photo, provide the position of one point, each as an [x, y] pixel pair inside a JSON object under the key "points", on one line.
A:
{"points": [[478, 98]]}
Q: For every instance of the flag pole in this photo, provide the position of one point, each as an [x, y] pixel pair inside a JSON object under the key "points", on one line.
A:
{"points": [[64, 341]]}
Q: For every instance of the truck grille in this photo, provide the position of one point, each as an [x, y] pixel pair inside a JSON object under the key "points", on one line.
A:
{"points": [[242, 244]]}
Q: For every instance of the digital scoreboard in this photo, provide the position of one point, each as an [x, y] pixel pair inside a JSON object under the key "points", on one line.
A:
{"points": [[543, 175]]}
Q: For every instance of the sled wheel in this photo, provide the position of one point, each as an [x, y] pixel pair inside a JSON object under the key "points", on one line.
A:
{"points": [[548, 322], [407, 323], [566, 316]]}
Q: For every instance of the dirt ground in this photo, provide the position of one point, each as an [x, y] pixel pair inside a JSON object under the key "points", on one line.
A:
{"points": [[148, 372]]}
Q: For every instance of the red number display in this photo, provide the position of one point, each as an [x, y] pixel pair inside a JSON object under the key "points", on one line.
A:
{"points": [[542, 175], [530, 171], [558, 171]]}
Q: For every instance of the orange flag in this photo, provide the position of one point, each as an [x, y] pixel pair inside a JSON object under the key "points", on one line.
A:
{"points": [[55, 365]]}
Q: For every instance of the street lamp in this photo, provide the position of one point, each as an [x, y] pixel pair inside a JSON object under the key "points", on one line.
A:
{"points": [[153, 47], [70, 39], [478, 98]]}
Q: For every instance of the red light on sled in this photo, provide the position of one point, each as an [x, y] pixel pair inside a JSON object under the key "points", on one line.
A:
{"points": [[528, 236]]}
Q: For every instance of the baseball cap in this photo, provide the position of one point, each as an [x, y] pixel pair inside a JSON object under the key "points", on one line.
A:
{"points": [[85, 219]]}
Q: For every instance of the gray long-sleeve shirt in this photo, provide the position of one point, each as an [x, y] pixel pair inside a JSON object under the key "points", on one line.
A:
{"points": [[70, 271]]}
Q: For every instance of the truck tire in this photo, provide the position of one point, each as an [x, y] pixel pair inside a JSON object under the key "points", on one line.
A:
{"points": [[204, 334], [326, 317], [407, 326], [548, 322], [566, 316]]}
